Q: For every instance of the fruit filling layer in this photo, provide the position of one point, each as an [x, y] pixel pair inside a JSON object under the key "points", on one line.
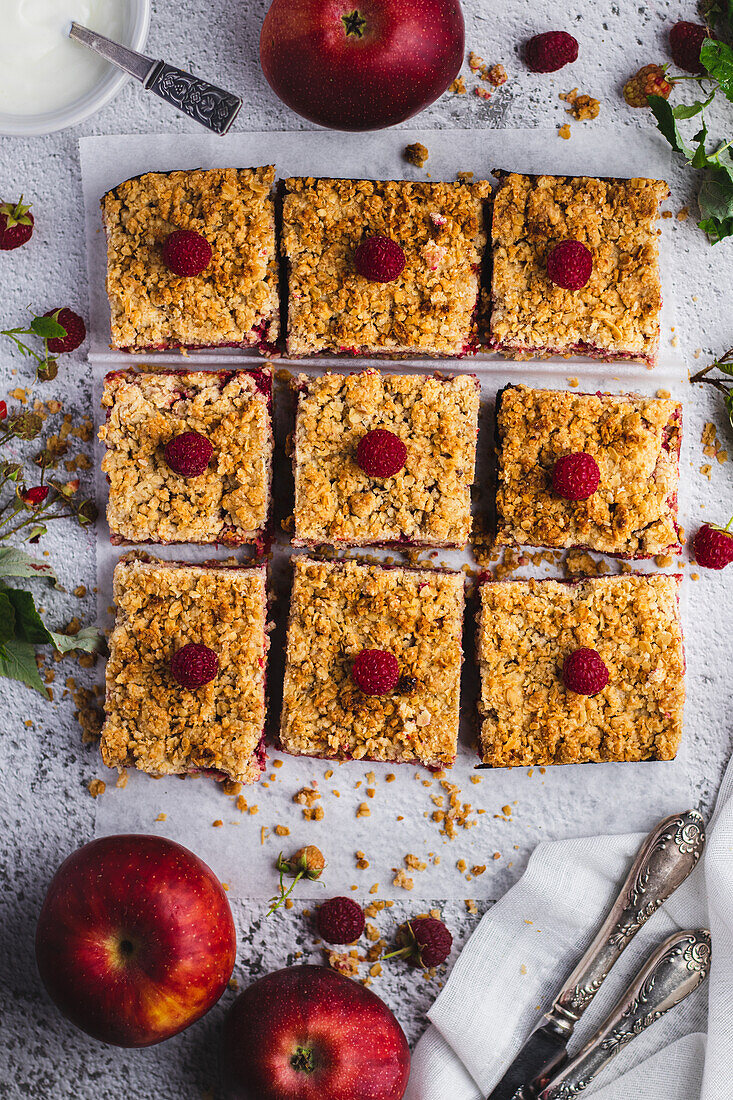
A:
{"points": [[535, 707], [155, 722], [400, 700], [615, 313], [160, 428], [633, 441], [336, 304], [345, 496], [234, 301]]}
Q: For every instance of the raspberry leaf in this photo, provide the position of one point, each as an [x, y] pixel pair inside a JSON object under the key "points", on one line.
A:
{"points": [[16, 563], [667, 124], [7, 619], [48, 328], [87, 640], [28, 623], [18, 662], [717, 58]]}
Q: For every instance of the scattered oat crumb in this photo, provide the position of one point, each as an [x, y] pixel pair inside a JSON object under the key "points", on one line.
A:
{"points": [[403, 880], [482, 93], [161, 817], [121, 778], [694, 576], [523, 969], [218, 823], [416, 154], [584, 107], [675, 341], [289, 903], [414, 862], [96, 787], [374, 889], [277, 763], [242, 804], [497, 855], [344, 963], [363, 810], [471, 906], [461, 865], [573, 382], [328, 773], [663, 393], [664, 560], [231, 787], [497, 75], [683, 214], [564, 131], [281, 830], [390, 778], [697, 353], [458, 87], [361, 861], [666, 214]]}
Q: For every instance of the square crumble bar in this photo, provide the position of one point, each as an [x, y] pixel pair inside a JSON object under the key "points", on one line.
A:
{"points": [[148, 501], [337, 610], [526, 629], [635, 441], [154, 724], [235, 301], [428, 502], [429, 310], [616, 314]]}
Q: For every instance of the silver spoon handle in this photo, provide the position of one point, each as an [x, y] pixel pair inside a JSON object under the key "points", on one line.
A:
{"points": [[672, 972], [666, 858], [213, 107]]}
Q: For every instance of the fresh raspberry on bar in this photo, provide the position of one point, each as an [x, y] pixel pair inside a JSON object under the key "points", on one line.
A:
{"points": [[375, 672], [194, 665], [381, 453], [340, 920], [576, 476], [713, 547], [76, 331], [685, 42], [569, 265], [188, 454], [186, 253], [548, 52], [379, 259], [585, 672]]}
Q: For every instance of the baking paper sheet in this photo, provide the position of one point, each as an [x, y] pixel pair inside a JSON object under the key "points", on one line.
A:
{"points": [[520, 807]]}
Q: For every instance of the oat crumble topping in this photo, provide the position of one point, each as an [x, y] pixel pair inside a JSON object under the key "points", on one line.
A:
{"points": [[428, 502], [616, 315], [338, 609], [430, 309], [152, 722], [527, 628], [634, 439], [148, 501], [235, 301]]}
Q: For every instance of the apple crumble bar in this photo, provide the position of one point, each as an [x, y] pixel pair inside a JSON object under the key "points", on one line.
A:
{"points": [[234, 302], [152, 722], [616, 313], [430, 309], [427, 502], [149, 501], [413, 617], [635, 442], [528, 629]]}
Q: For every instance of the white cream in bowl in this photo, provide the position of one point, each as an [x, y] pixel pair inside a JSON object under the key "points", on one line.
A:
{"points": [[41, 69]]}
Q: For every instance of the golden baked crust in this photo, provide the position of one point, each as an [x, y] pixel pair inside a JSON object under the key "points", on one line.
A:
{"points": [[528, 628], [428, 502], [152, 722], [616, 314], [636, 442], [148, 502], [235, 301], [429, 310], [337, 610]]}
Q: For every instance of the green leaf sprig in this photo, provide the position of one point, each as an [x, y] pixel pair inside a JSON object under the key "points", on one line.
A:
{"points": [[44, 329], [21, 626], [725, 365]]}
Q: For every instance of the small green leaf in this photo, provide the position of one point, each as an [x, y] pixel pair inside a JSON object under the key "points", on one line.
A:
{"points": [[717, 58], [716, 230], [88, 640], [667, 124], [47, 328], [729, 405], [35, 533], [684, 110], [28, 623], [7, 619], [18, 662], [16, 563]]}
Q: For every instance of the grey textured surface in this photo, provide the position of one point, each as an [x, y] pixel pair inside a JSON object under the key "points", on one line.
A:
{"points": [[45, 809]]}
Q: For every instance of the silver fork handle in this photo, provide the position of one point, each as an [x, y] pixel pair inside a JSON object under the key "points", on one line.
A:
{"points": [[669, 854], [673, 971]]}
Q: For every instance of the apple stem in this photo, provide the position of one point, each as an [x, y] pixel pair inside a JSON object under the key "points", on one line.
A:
{"points": [[354, 24], [302, 1061]]}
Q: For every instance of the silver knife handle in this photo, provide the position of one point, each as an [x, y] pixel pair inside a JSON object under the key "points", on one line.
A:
{"points": [[204, 102], [666, 858], [673, 971]]}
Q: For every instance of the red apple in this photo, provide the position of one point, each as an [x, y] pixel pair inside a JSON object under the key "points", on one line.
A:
{"points": [[361, 64], [135, 940], [308, 1033]]}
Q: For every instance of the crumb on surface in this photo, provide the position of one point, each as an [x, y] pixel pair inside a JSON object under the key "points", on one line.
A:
{"points": [[564, 131], [403, 880], [458, 86], [416, 154], [96, 787]]}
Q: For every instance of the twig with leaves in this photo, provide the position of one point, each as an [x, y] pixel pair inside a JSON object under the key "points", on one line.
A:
{"points": [[725, 365]]}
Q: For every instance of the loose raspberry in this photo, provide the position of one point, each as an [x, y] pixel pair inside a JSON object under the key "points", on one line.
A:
{"points": [[576, 476], [584, 672], [35, 496], [3, 410], [188, 454], [569, 265], [713, 547], [426, 941], [648, 81], [186, 253], [340, 920], [381, 453], [379, 259], [16, 225], [76, 331], [375, 672], [548, 52], [685, 40], [194, 665]]}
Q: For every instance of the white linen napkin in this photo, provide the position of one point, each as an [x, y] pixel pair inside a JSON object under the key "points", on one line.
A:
{"points": [[525, 946]]}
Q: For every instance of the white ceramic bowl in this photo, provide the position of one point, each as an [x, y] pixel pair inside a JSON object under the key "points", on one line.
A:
{"points": [[137, 25]]}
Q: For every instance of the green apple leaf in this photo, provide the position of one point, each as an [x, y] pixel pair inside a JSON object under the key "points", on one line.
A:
{"points": [[18, 662], [16, 563]]}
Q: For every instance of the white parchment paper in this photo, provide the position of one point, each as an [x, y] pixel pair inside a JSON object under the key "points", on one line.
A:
{"points": [[518, 807]]}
